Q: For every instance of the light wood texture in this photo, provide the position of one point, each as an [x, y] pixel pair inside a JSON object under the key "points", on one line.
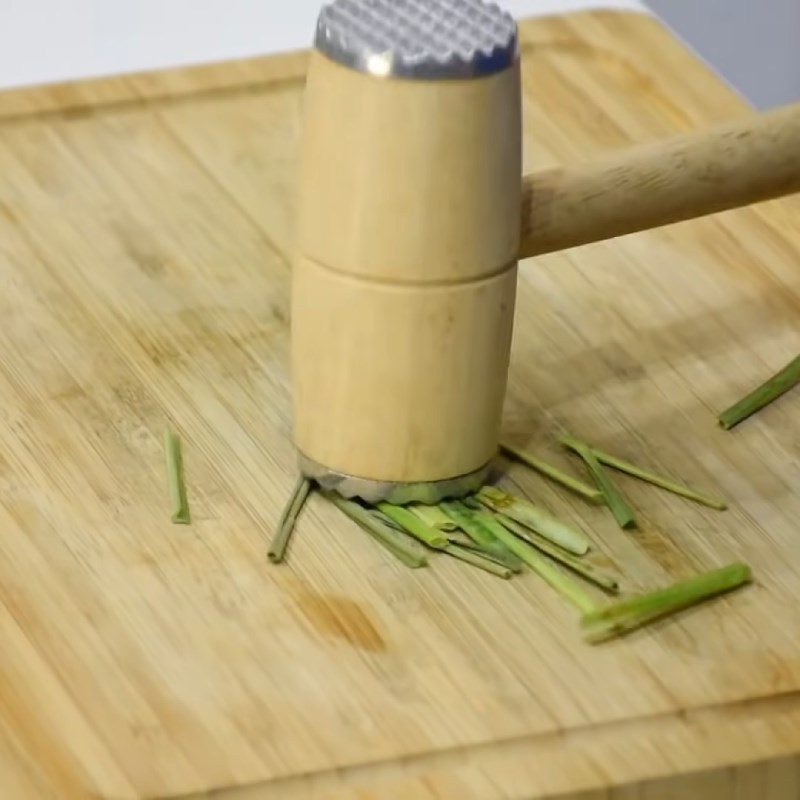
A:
{"points": [[145, 280], [746, 161], [405, 273], [399, 382], [410, 181]]}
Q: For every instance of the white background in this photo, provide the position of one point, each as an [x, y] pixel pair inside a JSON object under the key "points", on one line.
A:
{"points": [[755, 44], [50, 40]]}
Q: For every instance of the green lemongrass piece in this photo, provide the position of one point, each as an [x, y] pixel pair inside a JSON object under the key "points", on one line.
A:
{"points": [[502, 557], [770, 390], [414, 525], [564, 584], [399, 544], [659, 480], [628, 615], [580, 566], [465, 519], [554, 473], [498, 550], [277, 548], [433, 516], [535, 518], [477, 559], [481, 534], [177, 484], [498, 555], [381, 517], [460, 538], [622, 512], [472, 502]]}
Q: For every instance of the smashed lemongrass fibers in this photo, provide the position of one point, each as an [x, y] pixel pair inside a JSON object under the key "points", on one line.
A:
{"points": [[498, 550], [414, 525], [277, 548], [659, 480], [535, 518], [179, 504], [381, 517], [770, 390], [545, 569], [433, 516], [400, 545], [552, 472], [578, 565], [460, 538], [617, 504], [477, 559], [503, 558], [480, 532], [617, 619]]}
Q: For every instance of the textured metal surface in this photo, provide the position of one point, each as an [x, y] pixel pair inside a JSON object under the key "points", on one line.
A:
{"points": [[431, 39], [400, 493]]}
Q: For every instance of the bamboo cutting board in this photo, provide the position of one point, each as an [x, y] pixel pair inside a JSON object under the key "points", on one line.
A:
{"points": [[145, 226]]}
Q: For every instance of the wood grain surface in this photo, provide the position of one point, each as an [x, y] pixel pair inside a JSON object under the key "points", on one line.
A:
{"points": [[145, 227]]}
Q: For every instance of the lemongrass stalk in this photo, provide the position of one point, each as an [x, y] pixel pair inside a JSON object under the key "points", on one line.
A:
{"points": [[381, 517], [628, 615], [659, 480], [403, 547], [505, 558], [622, 512], [498, 550], [460, 538], [477, 559], [175, 478], [552, 472], [770, 390], [471, 523], [563, 584], [465, 519], [578, 565], [535, 518], [277, 548], [472, 502], [433, 516], [414, 525]]}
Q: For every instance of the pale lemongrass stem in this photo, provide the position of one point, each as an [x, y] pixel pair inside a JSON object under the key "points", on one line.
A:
{"points": [[504, 558], [478, 560], [399, 544], [414, 525], [565, 585], [175, 478], [661, 481], [617, 504], [552, 472], [460, 538], [581, 567], [277, 548], [619, 618], [535, 518], [490, 523], [381, 517], [475, 527], [432, 516], [463, 518]]}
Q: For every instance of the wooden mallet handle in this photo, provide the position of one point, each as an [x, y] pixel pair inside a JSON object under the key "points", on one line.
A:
{"points": [[736, 164]]}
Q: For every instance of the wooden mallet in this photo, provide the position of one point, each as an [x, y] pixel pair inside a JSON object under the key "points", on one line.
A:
{"points": [[409, 235]]}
